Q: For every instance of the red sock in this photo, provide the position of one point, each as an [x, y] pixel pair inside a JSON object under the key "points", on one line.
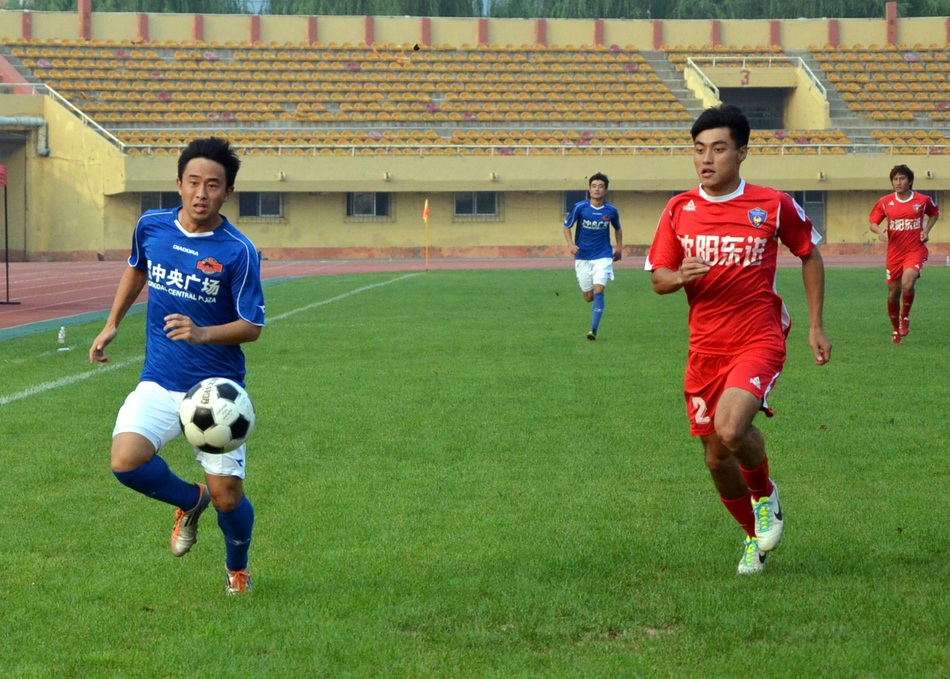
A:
{"points": [[741, 510], [758, 480], [908, 299], [894, 313]]}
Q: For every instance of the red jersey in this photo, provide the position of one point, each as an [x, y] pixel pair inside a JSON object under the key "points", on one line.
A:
{"points": [[905, 221], [735, 306]]}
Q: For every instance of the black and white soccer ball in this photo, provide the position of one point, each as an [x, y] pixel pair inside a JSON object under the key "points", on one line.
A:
{"points": [[216, 415]]}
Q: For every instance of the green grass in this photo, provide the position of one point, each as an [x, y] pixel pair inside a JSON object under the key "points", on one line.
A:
{"points": [[451, 482]]}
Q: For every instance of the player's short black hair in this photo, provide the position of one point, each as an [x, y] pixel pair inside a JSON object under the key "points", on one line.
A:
{"points": [[726, 115], [598, 176], [904, 170], [213, 148]]}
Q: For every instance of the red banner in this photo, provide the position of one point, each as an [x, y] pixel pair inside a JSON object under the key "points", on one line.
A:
{"points": [[3, 175]]}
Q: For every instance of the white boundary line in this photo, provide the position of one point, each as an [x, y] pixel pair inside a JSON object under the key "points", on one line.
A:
{"points": [[288, 314], [66, 381]]}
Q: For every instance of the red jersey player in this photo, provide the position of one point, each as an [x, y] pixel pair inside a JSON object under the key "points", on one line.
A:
{"points": [[906, 237], [719, 242]]}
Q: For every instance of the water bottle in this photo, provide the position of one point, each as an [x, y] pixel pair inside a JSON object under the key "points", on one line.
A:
{"points": [[61, 338]]}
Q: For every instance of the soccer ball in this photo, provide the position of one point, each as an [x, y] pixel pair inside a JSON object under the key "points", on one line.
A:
{"points": [[216, 415]]}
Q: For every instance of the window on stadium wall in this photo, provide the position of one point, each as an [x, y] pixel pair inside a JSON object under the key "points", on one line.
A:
{"points": [[813, 202], [160, 201], [368, 205], [261, 204], [572, 198], [477, 206]]}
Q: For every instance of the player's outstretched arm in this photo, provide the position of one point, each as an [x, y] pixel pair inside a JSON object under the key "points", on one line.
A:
{"points": [[813, 278], [130, 285], [618, 249], [879, 230], [666, 280], [179, 327], [925, 234], [569, 238]]}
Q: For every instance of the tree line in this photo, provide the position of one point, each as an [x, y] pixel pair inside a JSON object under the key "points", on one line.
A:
{"points": [[524, 9]]}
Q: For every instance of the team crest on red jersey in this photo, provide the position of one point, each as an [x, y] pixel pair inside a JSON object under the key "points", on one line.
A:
{"points": [[210, 265], [757, 217]]}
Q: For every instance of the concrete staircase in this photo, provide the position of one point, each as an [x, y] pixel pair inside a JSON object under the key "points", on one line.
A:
{"points": [[673, 79]]}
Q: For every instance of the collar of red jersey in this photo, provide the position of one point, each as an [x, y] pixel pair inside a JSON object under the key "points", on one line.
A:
{"points": [[722, 199], [909, 198]]}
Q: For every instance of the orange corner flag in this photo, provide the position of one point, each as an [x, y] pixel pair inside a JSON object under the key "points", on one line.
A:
{"points": [[425, 211]]}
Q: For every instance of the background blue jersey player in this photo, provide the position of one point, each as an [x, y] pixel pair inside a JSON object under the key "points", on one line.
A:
{"points": [[204, 301], [593, 255]]}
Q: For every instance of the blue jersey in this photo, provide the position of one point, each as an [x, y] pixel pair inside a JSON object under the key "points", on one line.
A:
{"points": [[213, 278], [592, 237]]}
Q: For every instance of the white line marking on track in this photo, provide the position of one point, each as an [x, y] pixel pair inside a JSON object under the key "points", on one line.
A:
{"points": [[66, 381]]}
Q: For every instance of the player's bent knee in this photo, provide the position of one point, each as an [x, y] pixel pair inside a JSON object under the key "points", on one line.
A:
{"points": [[129, 451], [226, 492], [732, 436]]}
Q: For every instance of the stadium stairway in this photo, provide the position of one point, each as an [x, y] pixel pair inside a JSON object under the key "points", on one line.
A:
{"points": [[841, 115], [673, 79]]}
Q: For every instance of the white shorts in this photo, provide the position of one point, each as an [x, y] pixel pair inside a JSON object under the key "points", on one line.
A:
{"points": [[152, 412], [591, 272]]}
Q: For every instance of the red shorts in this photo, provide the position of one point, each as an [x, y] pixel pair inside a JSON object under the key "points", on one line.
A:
{"points": [[709, 375], [898, 263]]}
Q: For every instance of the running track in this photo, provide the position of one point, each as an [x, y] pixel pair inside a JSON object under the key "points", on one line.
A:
{"points": [[63, 293]]}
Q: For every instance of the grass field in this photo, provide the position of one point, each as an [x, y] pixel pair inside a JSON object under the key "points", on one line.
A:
{"points": [[450, 481]]}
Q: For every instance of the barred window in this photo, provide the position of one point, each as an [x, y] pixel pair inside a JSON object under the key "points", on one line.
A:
{"points": [[368, 204], [160, 200], [261, 204], [571, 198], [476, 204]]}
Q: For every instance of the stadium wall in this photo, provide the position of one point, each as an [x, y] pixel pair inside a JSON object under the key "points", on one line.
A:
{"points": [[790, 34], [82, 201]]}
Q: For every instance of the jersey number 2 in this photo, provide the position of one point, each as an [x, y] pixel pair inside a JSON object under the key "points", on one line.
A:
{"points": [[701, 417]]}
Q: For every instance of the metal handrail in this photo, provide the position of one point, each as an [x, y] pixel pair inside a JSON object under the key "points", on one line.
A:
{"points": [[747, 62], [65, 103]]}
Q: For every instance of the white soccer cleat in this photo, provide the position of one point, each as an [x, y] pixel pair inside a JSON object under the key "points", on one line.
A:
{"points": [[185, 532], [769, 523], [753, 558]]}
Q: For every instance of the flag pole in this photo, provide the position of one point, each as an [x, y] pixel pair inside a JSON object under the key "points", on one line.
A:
{"points": [[6, 233], [425, 217]]}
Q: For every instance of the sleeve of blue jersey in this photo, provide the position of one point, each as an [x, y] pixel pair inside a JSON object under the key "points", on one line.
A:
{"points": [[248, 291], [572, 216], [136, 256]]}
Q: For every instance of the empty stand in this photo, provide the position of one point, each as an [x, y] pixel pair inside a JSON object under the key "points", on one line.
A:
{"points": [[327, 99]]}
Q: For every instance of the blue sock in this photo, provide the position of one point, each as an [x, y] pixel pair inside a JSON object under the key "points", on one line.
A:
{"points": [[597, 311], [157, 481], [237, 526]]}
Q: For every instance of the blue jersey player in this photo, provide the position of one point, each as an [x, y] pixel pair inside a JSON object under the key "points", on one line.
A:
{"points": [[593, 255], [204, 301]]}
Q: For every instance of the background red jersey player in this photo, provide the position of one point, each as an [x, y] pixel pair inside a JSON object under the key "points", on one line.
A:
{"points": [[719, 242], [906, 236]]}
